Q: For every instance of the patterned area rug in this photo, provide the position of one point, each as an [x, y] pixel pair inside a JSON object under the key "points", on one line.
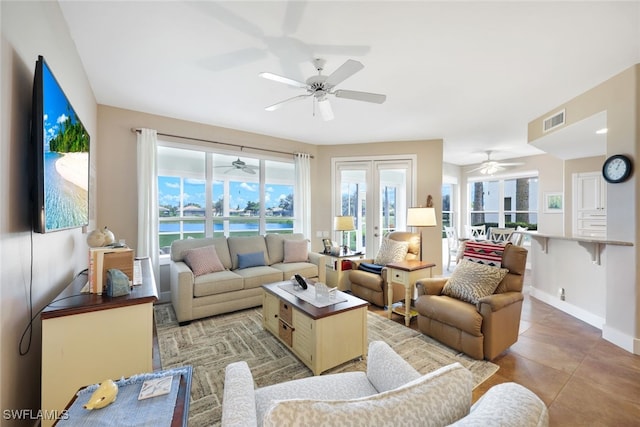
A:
{"points": [[209, 345]]}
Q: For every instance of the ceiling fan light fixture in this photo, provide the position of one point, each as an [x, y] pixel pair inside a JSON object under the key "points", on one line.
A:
{"points": [[325, 109]]}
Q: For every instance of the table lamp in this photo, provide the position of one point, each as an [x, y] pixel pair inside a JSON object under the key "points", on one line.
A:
{"points": [[344, 223], [421, 217]]}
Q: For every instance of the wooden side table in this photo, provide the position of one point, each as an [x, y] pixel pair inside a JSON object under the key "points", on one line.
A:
{"points": [[405, 273], [336, 275]]}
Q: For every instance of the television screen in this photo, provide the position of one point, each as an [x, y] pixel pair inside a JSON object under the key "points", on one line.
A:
{"points": [[61, 150]]}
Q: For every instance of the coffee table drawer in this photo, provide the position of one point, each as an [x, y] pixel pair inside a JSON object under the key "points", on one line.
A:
{"points": [[285, 332], [286, 312]]}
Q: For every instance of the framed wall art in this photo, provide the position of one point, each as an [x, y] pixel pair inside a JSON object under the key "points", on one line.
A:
{"points": [[553, 203]]}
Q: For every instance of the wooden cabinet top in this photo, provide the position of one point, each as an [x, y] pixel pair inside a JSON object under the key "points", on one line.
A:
{"points": [[310, 310], [410, 265], [71, 301]]}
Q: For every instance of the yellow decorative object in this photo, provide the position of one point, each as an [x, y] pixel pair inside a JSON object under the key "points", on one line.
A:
{"points": [[104, 395]]}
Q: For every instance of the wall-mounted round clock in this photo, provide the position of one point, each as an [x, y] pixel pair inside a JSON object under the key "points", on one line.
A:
{"points": [[617, 168]]}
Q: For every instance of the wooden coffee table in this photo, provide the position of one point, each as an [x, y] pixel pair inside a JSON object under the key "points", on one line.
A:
{"points": [[321, 337]]}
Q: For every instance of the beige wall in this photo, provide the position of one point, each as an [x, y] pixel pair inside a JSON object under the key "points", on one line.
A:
{"points": [[620, 98], [30, 29], [428, 180]]}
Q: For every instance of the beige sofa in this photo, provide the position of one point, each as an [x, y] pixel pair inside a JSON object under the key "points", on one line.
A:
{"points": [[232, 287], [390, 393]]}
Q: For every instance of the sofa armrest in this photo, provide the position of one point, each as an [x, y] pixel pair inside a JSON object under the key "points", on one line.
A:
{"points": [[319, 260], [430, 286], [181, 281], [497, 302], [386, 369], [239, 399], [507, 404]]}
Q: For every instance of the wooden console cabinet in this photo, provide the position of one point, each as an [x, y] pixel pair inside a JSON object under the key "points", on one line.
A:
{"points": [[88, 338], [321, 338]]}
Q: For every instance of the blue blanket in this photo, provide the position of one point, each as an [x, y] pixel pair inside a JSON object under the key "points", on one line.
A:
{"points": [[371, 268]]}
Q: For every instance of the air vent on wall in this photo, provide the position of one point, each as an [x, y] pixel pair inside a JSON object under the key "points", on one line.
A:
{"points": [[553, 121]]}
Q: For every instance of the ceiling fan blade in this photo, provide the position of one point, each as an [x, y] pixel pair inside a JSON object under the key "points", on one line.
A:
{"points": [[286, 101], [475, 169], [361, 96], [510, 164], [281, 79], [248, 170], [346, 70], [325, 109]]}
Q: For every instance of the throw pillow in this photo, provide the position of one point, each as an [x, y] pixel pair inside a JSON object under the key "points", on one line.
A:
{"points": [[405, 405], [484, 252], [203, 260], [253, 259], [391, 251], [471, 281], [295, 251]]}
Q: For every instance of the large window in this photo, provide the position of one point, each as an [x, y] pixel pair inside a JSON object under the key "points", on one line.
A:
{"points": [[508, 202], [207, 194]]}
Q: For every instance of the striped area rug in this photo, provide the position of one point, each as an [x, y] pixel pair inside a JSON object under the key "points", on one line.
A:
{"points": [[210, 344]]}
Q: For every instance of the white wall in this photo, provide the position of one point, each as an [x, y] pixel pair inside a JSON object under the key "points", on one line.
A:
{"points": [[30, 29]]}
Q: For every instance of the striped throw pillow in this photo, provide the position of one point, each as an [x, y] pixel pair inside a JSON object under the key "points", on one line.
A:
{"points": [[485, 252]]}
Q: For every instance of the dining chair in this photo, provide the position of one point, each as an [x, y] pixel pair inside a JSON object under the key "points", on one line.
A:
{"points": [[517, 238], [453, 244], [476, 232], [500, 234]]}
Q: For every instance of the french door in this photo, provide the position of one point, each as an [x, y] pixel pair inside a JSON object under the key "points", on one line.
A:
{"points": [[377, 193]]}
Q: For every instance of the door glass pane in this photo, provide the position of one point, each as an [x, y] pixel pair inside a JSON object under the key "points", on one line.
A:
{"points": [[353, 203]]}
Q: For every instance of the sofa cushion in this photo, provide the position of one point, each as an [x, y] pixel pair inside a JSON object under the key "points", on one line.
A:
{"points": [[296, 251], [252, 259], [255, 277], [219, 282], [275, 245], [203, 260], [391, 251], [346, 385], [246, 245], [435, 399], [471, 281], [305, 269]]}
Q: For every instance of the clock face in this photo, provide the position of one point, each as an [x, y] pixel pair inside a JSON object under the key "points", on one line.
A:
{"points": [[616, 168]]}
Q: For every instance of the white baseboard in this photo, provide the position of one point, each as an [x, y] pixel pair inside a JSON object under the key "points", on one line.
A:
{"points": [[621, 339], [577, 312]]}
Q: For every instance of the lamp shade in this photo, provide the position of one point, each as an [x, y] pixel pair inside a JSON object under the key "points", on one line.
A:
{"points": [[421, 217], [344, 223]]}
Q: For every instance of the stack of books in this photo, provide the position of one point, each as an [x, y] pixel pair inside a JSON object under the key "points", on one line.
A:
{"points": [[104, 258]]}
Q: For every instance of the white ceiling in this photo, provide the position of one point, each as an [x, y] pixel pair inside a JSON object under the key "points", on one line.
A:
{"points": [[471, 73]]}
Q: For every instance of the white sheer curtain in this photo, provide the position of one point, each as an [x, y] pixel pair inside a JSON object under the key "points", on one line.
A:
{"points": [[148, 199], [302, 194]]}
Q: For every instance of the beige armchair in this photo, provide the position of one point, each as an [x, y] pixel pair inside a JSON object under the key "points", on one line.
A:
{"points": [[372, 287], [482, 330]]}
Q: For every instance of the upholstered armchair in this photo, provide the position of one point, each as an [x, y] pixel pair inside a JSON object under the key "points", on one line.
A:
{"points": [[372, 286], [458, 314]]}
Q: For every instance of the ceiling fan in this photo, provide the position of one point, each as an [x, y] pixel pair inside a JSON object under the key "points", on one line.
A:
{"points": [[320, 87], [240, 165], [489, 167]]}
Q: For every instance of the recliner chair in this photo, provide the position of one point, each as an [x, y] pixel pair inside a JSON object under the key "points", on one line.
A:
{"points": [[372, 287], [482, 330]]}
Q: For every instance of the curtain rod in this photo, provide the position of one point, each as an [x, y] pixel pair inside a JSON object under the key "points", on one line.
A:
{"points": [[242, 147]]}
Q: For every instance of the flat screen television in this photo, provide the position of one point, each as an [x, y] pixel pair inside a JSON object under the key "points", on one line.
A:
{"points": [[60, 148]]}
